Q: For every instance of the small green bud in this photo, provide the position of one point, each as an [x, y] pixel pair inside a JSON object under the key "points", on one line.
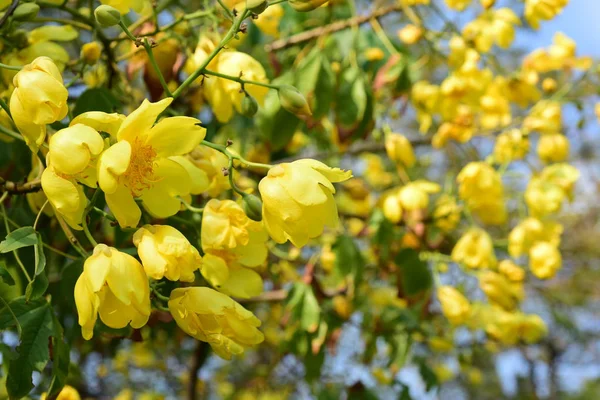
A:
{"points": [[107, 15], [26, 12], [249, 106], [257, 6], [293, 101], [252, 207], [306, 5]]}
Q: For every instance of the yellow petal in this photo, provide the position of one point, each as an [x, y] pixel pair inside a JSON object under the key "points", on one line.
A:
{"points": [[200, 181], [124, 207], [243, 283], [100, 121], [71, 149], [175, 136], [332, 174], [56, 33], [112, 164], [139, 122], [172, 181], [66, 196]]}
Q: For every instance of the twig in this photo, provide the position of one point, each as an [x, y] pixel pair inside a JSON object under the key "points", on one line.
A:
{"points": [[21, 188], [200, 356], [327, 29], [8, 13]]}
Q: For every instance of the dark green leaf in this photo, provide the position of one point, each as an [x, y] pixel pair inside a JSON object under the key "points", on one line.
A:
{"points": [[429, 377], [5, 275], [323, 97], [21, 308], [18, 238], [40, 257], [348, 260], [415, 274], [96, 99], [313, 364], [37, 287], [60, 361], [33, 351]]}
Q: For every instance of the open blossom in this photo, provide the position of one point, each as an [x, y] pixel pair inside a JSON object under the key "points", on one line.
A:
{"points": [[455, 306], [531, 231], [164, 251], [481, 187], [547, 191], [475, 249], [39, 98], [215, 318], [113, 285], [71, 159], [139, 164], [298, 200], [538, 10], [544, 260]]}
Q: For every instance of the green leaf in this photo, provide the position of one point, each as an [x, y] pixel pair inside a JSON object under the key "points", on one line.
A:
{"points": [[21, 308], [400, 344], [415, 274], [313, 363], [323, 97], [311, 312], [276, 125], [61, 360], [5, 275], [18, 238], [307, 73], [96, 99], [429, 377], [33, 351], [40, 257], [37, 287], [348, 259]]}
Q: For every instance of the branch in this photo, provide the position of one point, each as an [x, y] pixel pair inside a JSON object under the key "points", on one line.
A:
{"points": [[9, 12], [200, 356], [20, 188], [327, 29]]}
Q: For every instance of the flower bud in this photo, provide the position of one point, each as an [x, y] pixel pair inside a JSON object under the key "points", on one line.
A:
{"points": [[252, 207], [257, 6], [249, 106], [107, 15], [293, 101], [26, 12], [488, 3], [90, 52], [306, 5]]}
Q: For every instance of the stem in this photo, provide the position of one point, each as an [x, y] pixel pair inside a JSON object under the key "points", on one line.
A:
{"points": [[232, 32], [227, 10], [240, 80], [7, 227], [230, 155], [72, 239], [161, 78], [160, 296], [88, 234], [5, 107], [191, 207], [104, 214], [10, 133], [37, 218]]}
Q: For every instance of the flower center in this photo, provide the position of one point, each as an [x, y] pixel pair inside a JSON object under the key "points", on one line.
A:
{"points": [[139, 176]]}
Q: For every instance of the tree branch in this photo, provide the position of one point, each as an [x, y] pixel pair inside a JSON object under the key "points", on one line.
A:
{"points": [[327, 29], [20, 188], [199, 357]]}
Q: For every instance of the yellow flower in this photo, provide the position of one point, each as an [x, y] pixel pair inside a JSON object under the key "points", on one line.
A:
{"points": [[510, 146], [530, 231], [475, 249], [545, 117], [415, 195], [511, 271], [65, 195], [425, 98], [447, 213], [164, 251], [138, 165], [546, 192], [440, 344], [356, 198], [495, 105], [298, 200], [443, 373], [95, 76], [39, 98], [224, 95], [481, 188], [230, 270], [399, 149], [533, 328], [114, 285], [455, 306], [268, 21], [224, 225], [67, 393], [499, 290], [553, 147], [458, 5], [544, 260], [215, 318], [125, 5], [375, 173], [374, 54], [410, 34], [91, 52], [391, 207], [536, 10], [492, 26], [205, 166]]}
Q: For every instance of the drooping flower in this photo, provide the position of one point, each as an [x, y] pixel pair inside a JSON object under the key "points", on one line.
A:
{"points": [[475, 249], [455, 305], [215, 318], [298, 200], [165, 252], [113, 285]]}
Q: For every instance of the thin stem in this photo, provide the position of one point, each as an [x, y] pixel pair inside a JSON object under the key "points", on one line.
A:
{"points": [[200, 70], [191, 208], [227, 10], [37, 218], [72, 239], [240, 80], [104, 214], [5, 107], [383, 37], [19, 329], [230, 155], [7, 227], [11, 67], [88, 234], [10, 133], [161, 78], [159, 296]]}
